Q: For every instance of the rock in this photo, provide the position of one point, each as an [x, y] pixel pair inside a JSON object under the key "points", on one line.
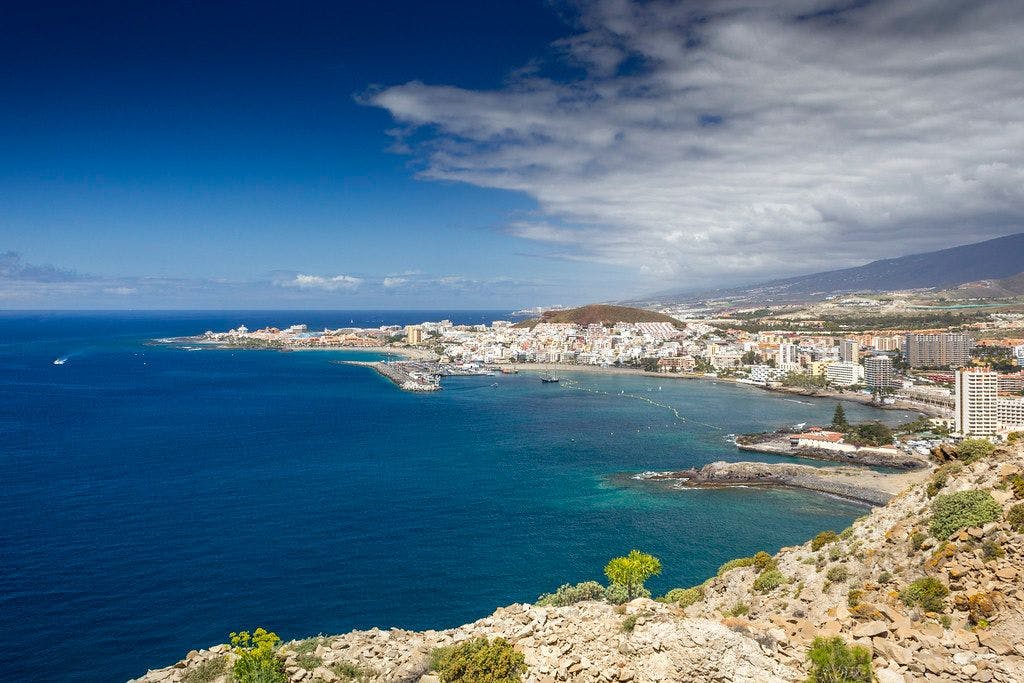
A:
{"points": [[870, 629], [997, 644], [890, 675]]}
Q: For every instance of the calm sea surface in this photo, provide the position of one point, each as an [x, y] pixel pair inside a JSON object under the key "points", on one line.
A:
{"points": [[154, 499]]}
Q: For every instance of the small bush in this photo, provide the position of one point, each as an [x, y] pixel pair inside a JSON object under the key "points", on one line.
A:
{"points": [[973, 450], [629, 623], [823, 539], [926, 593], [846, 533], [478, 661], [683, 597], [884, 577], [1016, 518], [347, 671], [837, 574], [1017, 485], [570, 595], [736, 564], [990, 550], [207, 671], [308, 661], [738, 610], [917, 540], [954, 511], [833, 661], [763, 561], [617, 594], [769, 580], [257, 657], [853, 597]]}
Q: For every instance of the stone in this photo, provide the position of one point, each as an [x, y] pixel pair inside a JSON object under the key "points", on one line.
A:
{"points": [[997, 644], [890, 675], [870, 629]]}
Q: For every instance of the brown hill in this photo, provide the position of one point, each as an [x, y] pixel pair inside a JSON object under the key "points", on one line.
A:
{"points": [[601, 314], [991, 289]]}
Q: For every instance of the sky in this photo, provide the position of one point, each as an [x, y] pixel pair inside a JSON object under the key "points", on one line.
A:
{"points": [[489, 155]]}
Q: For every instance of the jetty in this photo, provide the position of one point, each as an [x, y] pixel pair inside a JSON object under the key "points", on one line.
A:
{"points": [[413, 375]]}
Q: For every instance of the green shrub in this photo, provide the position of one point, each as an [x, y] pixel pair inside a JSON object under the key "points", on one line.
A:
{"points": [[347, 671], [617, 594], [683, 597], [1017, 485], [207, 671], [837, 574], [853, 597], [769, 580], [927, 593], [738, 610], [631, 571], [257, 657], [736, 564], [954, 511], [884, 577], [629, 623], [308, 661], [990, 550], [763, 560], [846, 533], [478, 661], [823, 539], [917, 540], [972, 450], [570, 595], [833, 661], [1015, 517]]}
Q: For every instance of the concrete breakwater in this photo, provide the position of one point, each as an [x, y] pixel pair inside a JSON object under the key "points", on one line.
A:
{"points": [[407, 375], [854, 484]]}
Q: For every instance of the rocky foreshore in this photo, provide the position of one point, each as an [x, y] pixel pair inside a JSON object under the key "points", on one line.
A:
{"points": [[754, 621], [863, 486], [778, 443]]}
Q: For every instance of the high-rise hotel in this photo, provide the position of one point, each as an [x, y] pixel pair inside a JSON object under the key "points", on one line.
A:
{"points": [[937, 350], [977, 402]]}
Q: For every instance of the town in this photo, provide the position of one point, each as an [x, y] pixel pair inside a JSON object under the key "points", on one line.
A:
{"points": [[971, 387]]}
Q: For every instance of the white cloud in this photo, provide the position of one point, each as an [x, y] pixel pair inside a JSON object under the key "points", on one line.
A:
{"points": [[737, 138], [330, 284], [391, 282]]}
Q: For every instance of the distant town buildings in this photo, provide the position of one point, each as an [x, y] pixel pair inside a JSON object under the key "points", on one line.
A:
{"points": [[413, 335], [951, 349], [844, 374], [891, 343], [849, 351], [977, 402], [880, 373]]}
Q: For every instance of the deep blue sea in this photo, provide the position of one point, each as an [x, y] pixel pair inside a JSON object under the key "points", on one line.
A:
{"points": [[154, 499]]}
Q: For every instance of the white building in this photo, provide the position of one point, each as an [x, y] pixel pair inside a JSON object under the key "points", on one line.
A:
{"points": [[1011, 414], [844, 374], [762, 374], [789, 354], [879, 372], [1018, 353], [977, 402]]}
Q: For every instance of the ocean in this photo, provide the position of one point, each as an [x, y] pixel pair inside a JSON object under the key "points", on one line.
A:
{"points": [[155, 499]]}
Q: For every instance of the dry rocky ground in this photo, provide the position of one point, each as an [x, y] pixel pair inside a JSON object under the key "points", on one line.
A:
{"points": [[735, 631]]}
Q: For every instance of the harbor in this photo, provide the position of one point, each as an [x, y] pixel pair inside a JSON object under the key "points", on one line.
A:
{"points": [[420, 376]]}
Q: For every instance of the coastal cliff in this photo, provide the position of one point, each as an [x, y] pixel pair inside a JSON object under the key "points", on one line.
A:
{"points": [[929, 585]]}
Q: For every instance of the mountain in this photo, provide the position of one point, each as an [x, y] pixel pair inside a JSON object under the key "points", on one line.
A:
{"points": [[600, 314], [996, 258], [990, 289]]}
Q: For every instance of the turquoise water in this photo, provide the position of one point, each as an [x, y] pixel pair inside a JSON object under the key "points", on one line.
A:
{"points": [[155, 499]]}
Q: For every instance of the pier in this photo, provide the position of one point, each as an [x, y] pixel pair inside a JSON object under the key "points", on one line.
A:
{"points": [[411, 375]]}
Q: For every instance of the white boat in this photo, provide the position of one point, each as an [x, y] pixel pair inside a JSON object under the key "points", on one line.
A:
{"points": [[60, 361]]}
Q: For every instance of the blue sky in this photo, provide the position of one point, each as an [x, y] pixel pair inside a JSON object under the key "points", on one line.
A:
{"points": [[466, 154]]}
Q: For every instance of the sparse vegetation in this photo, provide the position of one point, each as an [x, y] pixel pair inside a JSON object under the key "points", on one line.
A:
{"points": [[683, 597], [735, 564], [972, 450], [738, 610], [837, 574], [833, 661], [207, 671], [823, 539], [763, 561], [927, 593], [629, 623], [257, 657], [478, 661], [1015, 517], [569, 595], [348, 671], [917, 539], [769, 580], [308, 661], [954, 511]]}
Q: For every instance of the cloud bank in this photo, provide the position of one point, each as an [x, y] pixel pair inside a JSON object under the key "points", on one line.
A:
{"points": [[735, 139]]}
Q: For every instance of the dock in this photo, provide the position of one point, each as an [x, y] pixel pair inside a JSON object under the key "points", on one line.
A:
{"points": [[411, 375]]}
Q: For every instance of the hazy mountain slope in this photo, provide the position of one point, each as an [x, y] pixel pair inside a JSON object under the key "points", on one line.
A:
{"points": [[600, 314], [996, 258]]}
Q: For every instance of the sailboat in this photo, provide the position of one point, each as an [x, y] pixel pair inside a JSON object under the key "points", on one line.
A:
{"points": [[548, 379]]}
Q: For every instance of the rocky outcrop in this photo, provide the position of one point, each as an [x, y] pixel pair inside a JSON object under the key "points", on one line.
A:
{"points": [[819, 479], [738, 629]]}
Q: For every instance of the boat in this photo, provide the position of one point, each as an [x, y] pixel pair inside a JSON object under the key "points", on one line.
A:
{"points": [[505, 370], [548, 379], [60, 361]]}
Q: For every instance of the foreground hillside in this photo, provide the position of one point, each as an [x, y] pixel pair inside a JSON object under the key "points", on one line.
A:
{"points": [[930, 585], [600, 314]]}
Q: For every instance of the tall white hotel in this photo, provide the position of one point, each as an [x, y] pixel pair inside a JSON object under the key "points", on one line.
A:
{"points": [[977, 402]]}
